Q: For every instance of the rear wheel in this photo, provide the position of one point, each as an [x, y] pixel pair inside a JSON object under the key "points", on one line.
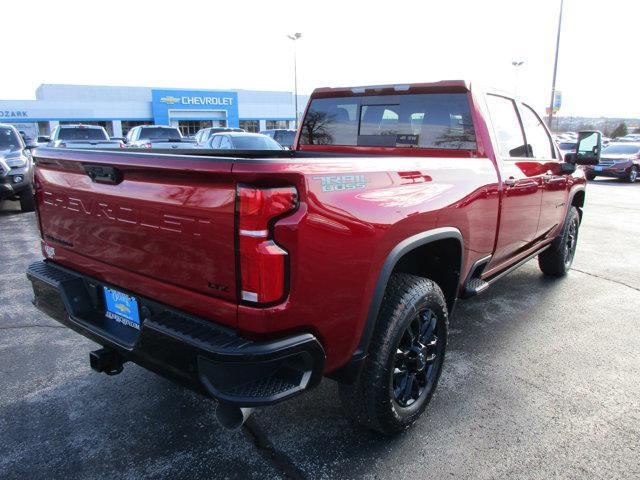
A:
{"points": [[633, 174], [557, 259], [405, 357], [26, 201]]}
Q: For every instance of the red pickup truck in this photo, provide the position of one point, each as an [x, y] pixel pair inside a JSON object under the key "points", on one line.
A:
{"points": [[248, 276]]}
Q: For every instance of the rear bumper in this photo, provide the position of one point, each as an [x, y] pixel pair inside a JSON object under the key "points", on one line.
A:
{"points": [[194, 352]]}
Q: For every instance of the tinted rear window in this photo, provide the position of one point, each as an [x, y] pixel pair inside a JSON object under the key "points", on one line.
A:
{"points": [[82, 134], [255, 143], [432, 120], [285, 138], [151, 133]]}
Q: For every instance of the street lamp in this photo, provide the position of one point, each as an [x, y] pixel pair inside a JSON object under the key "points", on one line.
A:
{"points": [[555, 67], [294, 37], [516, 64]]}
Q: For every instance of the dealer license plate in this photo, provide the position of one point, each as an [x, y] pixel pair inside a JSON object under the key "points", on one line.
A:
{"points": [[122, 308]]}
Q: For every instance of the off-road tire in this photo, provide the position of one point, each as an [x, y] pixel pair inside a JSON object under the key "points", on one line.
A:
{"points": [[26, 201], [371, 400], [556, 260]]}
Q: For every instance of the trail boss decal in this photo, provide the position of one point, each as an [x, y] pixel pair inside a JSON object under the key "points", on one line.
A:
{"points": [[339, 183]]}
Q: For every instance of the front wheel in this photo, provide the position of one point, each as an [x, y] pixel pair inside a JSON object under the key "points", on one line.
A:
{"points": [[26, 201], [633, 175], [405, 357], [556, 260]]}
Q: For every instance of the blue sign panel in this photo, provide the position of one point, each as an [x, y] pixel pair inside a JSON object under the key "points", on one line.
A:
{"points": [[193, 104]]}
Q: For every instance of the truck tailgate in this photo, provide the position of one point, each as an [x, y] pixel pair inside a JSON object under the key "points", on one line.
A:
{"points": [[168, 218]]}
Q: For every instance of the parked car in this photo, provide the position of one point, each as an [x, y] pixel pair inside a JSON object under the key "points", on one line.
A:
{"points": [[618, 160], [42, 140], [251, 276], [567, 147], [283, 137], [242, 141], [204, 135], [15, 168], [157, 136], [82, 136], [631, 137]]}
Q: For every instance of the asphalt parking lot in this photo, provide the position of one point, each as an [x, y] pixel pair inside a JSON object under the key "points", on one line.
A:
{"points": [[542, 380]]}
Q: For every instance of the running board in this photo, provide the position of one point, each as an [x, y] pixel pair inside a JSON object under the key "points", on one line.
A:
{"points": [[475, 285]]}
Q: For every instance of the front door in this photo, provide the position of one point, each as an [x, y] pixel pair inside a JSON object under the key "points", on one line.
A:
{"points": [[522, 179], [554, 194]]}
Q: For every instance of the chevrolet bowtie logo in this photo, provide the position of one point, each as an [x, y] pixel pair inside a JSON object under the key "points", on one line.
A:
{"points": [[170, 100]]}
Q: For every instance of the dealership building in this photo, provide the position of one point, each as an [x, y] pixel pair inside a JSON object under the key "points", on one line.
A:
{"points": [[118, 109]]}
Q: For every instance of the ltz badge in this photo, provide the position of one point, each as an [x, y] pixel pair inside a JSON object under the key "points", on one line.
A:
{"points": [[339, 183]]}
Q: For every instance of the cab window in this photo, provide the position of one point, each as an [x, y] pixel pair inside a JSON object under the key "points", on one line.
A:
{"points": [[506, 126], [538, 140]]}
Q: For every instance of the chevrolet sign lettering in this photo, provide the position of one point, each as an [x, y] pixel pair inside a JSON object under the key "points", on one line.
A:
{"points": [[207, 101], [128, 215]]}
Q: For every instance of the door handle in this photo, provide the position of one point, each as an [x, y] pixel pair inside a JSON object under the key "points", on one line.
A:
{"points": [[510, 182], [547, 177]]}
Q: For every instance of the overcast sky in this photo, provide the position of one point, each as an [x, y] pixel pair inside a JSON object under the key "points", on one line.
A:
{"points": [[242, 44]]}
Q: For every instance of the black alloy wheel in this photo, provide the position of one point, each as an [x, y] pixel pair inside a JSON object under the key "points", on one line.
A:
{"points": [[417, 359]]}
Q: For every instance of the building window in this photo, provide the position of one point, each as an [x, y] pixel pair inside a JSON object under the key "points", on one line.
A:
{"points": [[189, 128], [252, 126], [276, 124], [129, 124]]}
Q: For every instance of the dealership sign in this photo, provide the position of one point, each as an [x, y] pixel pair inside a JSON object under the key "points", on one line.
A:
{"points": [[196, 104], [13, 114]]}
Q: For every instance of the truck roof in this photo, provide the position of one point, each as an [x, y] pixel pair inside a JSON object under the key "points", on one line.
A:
{"points": [[443, 85]]}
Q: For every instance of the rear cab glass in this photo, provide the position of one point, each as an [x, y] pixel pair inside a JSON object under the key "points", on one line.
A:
{"points": [[155, 133], [423, 120], [82, 133]]}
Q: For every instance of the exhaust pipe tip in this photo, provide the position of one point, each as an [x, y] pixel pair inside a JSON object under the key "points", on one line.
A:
{"points": [[232, 417]]}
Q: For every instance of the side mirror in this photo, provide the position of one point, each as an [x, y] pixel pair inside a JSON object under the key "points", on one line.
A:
{"points": [[587, 150]]}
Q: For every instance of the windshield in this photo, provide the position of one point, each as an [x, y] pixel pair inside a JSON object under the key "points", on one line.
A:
{"points": [[431, 120], [285, 138], [254, 143], [621, 150], [8, 139], [82, 133], [154, 133], [568, 146]]}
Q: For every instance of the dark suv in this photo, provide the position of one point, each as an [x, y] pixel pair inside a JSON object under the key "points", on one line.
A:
{"points": [[15, 168], [619, 160]]}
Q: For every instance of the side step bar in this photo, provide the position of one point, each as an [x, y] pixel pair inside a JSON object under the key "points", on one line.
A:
{"points": [[475, 285]]}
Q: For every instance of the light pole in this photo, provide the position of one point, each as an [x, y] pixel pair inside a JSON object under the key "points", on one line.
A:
{"points": [[516, 64], [555, 67], [294, 37]]}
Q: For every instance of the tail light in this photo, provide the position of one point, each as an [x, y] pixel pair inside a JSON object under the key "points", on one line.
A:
{"points": [[263, 263], [147, 145]]}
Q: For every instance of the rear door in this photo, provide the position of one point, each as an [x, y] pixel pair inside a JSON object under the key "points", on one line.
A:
{"points": [[521, 183]]}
